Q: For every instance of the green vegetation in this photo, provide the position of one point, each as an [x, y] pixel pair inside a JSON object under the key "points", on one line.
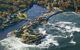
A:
{"points": [[9, 7]]}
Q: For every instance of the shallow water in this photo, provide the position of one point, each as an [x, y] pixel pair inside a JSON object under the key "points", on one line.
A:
{"points": [[32, 13], [63, 33]]}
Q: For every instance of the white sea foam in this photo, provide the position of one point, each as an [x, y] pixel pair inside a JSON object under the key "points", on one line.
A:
{"points": [[42, 31], [12, 43], [72, 41], [76, 13], [48, 41], [69, 26]]}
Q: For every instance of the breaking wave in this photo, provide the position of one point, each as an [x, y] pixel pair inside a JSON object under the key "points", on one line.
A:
{"points": [[61, 31], [59, 34]]}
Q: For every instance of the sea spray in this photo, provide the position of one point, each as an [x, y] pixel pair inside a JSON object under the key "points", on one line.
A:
{"points": [[62, 39]]}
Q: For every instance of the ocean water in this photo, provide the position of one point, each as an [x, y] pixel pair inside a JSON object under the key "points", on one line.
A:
{"points": [[34, 12], [63, 33]]}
